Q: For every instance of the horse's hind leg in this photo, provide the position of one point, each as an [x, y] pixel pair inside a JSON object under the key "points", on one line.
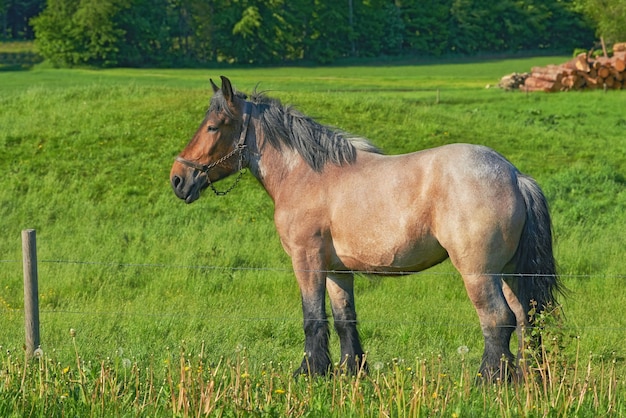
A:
{"points": [[497, 321], [341, 292], [519, 304]]}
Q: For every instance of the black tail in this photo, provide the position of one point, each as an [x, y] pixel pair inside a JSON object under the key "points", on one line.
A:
{"points": [[535, 259]]}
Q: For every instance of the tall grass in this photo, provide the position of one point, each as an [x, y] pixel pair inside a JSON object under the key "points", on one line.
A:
{"points": [[181, 308], [188, 383]]}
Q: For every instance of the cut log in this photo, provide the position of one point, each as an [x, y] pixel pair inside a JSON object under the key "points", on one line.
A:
{"points": [[604, 72], [592, 82], [617, 75], [580, 63], [551, 73], [538, 84], [619, 61]]}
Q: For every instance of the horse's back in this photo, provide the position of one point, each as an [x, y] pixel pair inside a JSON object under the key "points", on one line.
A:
{"points": [[410, 211]]}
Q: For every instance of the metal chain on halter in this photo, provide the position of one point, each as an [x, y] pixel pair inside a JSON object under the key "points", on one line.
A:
{"points": [[239, 148]]}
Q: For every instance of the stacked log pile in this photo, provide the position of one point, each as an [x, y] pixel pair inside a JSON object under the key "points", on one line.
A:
{"points": [[582, 72]]}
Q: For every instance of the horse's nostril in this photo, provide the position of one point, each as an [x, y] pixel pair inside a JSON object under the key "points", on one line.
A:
{"points": [[177, 182]]}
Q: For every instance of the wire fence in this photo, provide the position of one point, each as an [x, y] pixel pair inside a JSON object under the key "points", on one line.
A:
{"points": [[291, 270], [282, 318]]}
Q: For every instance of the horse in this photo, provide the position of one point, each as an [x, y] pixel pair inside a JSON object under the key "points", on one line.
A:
{"points": [[343, 207]]}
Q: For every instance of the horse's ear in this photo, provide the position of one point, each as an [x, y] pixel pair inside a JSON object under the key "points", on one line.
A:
{"points": [[227, 89], [215, 88]]}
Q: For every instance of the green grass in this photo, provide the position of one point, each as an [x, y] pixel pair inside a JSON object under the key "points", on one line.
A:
{"points": [[85, 157]]}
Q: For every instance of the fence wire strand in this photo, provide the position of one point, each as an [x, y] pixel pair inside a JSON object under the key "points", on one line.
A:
{"points": [[5, 306], [291, 270]]}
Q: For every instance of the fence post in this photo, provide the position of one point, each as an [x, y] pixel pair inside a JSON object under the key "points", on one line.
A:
{"points": [[31, 291]]}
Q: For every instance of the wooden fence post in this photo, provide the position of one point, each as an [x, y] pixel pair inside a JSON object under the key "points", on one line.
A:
{"points": [[31, 291]]}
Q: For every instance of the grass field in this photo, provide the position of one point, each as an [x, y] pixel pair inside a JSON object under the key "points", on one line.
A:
{"points": [[181, 309]]}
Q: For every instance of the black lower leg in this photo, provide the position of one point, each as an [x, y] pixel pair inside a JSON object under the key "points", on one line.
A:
{"points": [[316, 353], [498, 362], [352, 356]]}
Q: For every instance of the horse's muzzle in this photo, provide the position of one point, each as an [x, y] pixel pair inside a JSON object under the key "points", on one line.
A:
{"points": [[187, 189]]}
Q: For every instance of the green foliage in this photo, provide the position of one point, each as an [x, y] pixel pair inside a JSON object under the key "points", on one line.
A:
{"points": [[609, 17], [482, 25], [198, 32], [83, 33]]}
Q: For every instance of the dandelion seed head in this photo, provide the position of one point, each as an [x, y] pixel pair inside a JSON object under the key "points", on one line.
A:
{"points": [[378, 366], [72, 332], [462, 350]]}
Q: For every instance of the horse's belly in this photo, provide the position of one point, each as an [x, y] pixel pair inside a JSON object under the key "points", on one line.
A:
{"points": [[384, 253]]}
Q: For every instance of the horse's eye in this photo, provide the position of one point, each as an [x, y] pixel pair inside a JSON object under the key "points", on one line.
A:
{"points": [[212, 128]]}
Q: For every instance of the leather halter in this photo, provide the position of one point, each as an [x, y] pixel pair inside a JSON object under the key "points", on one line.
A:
{"points": [[239, 149]]}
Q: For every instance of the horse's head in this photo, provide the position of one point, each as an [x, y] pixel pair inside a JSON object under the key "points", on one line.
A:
{"points": [[217, 148]]}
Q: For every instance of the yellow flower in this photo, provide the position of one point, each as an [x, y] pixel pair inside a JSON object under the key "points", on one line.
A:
{"points": [[66, 370], [279, 391], [435, 395]]}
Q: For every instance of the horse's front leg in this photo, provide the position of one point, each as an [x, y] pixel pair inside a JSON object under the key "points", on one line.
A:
{"points": [[312, 280], [341, 292]]}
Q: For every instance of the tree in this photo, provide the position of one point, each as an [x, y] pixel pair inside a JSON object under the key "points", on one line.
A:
{"points": [[609, 17], [15, 15], [79, 33], [377, 28], [427, 26]]}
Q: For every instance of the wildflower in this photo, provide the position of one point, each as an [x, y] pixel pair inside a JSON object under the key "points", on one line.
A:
{"points": [[245, 375], [435, 395], [38, 353], [279, 391], [66, 370], [462, 350]]}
